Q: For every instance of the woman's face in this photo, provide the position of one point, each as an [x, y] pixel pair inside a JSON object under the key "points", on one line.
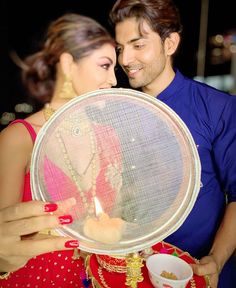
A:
{"points": [[95, 71]]}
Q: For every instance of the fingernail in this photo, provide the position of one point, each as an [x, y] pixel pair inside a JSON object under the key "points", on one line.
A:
{"points": [[65, 219], [50, 207], [72, 244]]}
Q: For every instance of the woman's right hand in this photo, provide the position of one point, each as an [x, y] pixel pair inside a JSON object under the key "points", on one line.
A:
{"points": [[20, 225]]}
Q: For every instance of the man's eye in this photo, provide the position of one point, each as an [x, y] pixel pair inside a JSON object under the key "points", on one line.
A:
{"points": [[138, 46], [118, 50]]}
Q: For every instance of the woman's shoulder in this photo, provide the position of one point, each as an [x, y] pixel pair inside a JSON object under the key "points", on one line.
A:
{"points": [[21, 132], [15, 135]]}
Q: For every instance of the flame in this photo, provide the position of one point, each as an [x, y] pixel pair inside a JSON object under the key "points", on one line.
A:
{"points": [[98, 207]]}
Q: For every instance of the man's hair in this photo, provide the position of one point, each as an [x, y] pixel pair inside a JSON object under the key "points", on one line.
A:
{"points": [[162, 15]]}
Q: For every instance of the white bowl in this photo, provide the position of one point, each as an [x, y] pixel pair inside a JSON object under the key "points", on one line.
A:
{"points": [[158, 263]]}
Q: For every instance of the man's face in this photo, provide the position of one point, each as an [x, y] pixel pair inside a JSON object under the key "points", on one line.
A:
{"points": [[142, 57]]}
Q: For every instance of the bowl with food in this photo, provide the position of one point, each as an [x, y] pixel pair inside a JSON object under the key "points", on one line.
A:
{"points": [[168, 271]]}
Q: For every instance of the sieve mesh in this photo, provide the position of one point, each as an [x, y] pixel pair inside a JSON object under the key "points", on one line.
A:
{"points": [[130, 151]]}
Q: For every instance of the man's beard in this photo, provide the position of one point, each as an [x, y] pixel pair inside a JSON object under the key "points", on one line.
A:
{"points": [[138, 82]]}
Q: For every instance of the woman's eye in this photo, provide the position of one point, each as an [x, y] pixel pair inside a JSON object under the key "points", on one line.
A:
{"points": [[105, 66]]}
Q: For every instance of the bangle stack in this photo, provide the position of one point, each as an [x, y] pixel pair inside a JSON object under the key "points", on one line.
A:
{"points": [[4, 275]]}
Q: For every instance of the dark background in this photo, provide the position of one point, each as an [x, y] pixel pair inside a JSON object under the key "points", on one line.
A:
{"points": [[23, 23]]}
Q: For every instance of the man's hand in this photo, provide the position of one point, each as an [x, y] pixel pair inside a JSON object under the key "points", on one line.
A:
{"points": [[207, 267]]}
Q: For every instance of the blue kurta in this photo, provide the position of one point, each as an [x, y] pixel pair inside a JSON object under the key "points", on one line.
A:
{"points": [[210, 115]]}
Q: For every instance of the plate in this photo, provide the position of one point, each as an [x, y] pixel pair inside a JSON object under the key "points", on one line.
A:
{"points": [[102, 278]]}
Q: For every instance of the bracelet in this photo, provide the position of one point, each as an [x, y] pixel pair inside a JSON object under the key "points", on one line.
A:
{"points": [[4, 275]]}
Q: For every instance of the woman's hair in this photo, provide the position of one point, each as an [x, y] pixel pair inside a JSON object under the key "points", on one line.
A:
{"points": [[72, 33], [162, 15]]}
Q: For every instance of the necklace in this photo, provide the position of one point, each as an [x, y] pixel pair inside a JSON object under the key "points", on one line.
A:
{"points": [[78, 178], [87, 167], [48, 111]]}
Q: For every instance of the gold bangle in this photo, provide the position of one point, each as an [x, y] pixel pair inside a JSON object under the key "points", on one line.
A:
{"points": [[4, 275]]}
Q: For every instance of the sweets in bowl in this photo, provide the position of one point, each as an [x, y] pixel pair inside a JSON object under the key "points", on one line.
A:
{"points": [[166, 270]]}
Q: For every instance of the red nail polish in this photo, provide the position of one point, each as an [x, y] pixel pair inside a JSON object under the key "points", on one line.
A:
{"points": [[50, 207], [65, 219], [72, 244]]}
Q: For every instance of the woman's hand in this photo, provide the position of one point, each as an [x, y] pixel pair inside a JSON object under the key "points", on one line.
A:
{"points": [[19, 227], [207, 267]]}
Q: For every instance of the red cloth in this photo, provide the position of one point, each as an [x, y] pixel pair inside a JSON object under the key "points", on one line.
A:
{"points": [[50, 270]]}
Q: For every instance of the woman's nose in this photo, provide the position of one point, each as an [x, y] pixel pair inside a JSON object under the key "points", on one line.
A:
{"points": [[113, 80]]}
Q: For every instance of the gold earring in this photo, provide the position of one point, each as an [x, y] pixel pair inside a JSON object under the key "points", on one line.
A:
{"points": [[67, 91]]}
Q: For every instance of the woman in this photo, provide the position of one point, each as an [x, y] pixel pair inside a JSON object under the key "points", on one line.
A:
{"points": [[78, 56]]}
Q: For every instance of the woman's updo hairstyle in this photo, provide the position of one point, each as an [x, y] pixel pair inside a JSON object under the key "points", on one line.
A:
{"points": [[72, 33]]}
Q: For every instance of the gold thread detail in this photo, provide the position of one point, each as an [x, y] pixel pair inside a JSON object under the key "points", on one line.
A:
{"points": [[5, 275], [102, 279], [111, 267], [193, 283]]}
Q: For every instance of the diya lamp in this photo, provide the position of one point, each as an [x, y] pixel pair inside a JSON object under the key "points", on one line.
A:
{"points": [[109, 230], [102, 227]]}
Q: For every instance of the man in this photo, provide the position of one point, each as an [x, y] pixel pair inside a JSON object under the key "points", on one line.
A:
{"points": [[148, 34]]}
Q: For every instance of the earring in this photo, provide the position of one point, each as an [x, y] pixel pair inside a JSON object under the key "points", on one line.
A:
{"points": [[67, 91]]}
